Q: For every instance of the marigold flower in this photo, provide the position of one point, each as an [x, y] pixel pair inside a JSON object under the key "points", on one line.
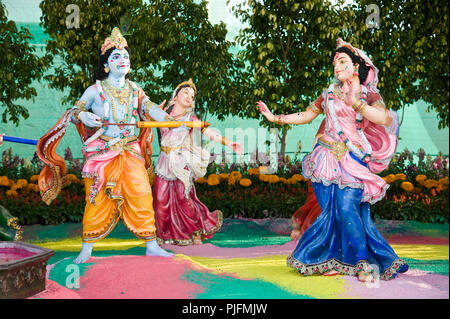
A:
{"points": [[400, 177], [421, 178], [245, 182], [213, 180], [443, 181], [4, 181], [283, 180], [389, 178], [236, 175], [253, 171], [21, 183], [201, 180], [273, 179], [430, 183], [297, 177], [407, 186], [263, 178], [72, 178], [223, 176], [11, 193], [34, 178]]}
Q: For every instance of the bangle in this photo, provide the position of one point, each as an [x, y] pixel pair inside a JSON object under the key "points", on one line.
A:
{"points": [[280, 120], [388, 118], [76, 114], [224, 140]]}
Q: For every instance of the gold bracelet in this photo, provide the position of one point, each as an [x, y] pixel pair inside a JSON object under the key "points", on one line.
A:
{"points": [[76, 114], [81, 105], [389, 118], [224, 140]]}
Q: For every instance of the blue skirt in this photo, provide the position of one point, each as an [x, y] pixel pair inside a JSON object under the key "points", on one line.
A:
{"points": [[344, 238]]}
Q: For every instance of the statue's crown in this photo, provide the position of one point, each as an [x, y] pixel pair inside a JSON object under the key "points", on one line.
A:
{"points": [[116, 40]]}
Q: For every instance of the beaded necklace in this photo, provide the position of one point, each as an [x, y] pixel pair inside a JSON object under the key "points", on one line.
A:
{"points": [[133, 97], [120, 94]]}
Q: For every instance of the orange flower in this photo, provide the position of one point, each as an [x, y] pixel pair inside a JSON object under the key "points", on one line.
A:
{"points": [[11, 193], [236, 175], [297, 178], [72, 178], [421, 178], [273, 179], [21, 183], [213, 180], [253, 171], [389, 178], [4, 181], [223, 176], [201, 180], [232, 181], [400, 177], [245, 182], [34, 178], [430, 183], [407, 186]]}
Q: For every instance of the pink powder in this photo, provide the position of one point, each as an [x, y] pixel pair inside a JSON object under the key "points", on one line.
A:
{"points": [[137, 277]]}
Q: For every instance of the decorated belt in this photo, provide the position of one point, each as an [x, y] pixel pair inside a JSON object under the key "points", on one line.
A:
{"points": [[125, 140], [168, 149], [337, 148], [113, 144]]}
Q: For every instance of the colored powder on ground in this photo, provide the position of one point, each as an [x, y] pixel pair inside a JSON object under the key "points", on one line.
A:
{"points": [[244, 233], [227, 287], [66, 273], [422, 252], [273, 269], [138, 277], [414, 284], [439, 267]]}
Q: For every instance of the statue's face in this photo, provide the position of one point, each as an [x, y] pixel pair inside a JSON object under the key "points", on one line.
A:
{"points": [[186, 97], [343, 66], [119, 62]]}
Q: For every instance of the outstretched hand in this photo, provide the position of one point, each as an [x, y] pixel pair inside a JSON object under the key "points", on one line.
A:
{"points": [[237, 148], [264, 110], [1, 139]]}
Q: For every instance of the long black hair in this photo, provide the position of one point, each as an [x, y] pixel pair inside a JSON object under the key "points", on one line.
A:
{"points": [[99, 72], [363, 69]]}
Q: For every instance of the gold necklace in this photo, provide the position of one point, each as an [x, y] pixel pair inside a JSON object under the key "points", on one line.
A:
{"points": [[120, 94], [113, 104]]}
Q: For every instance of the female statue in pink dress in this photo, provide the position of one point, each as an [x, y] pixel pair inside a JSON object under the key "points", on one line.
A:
{"points": [[181, 218], [359, 140]]}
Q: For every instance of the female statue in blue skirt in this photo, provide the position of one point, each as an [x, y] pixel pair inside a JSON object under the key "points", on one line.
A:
{"points": [[359, 140]]}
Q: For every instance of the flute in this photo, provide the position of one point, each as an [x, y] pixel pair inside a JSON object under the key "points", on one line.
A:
{"points": [[142, 124]]}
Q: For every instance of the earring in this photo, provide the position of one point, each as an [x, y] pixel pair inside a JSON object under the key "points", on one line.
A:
{"points": [[106, 69]]}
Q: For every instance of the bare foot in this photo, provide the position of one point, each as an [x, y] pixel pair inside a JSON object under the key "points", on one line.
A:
{"points": [[85, 253], [365, 277], [154, 250], [331, 273]]}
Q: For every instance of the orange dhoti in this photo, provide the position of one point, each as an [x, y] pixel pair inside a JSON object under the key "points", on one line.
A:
{"points": [[125, 193]]}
